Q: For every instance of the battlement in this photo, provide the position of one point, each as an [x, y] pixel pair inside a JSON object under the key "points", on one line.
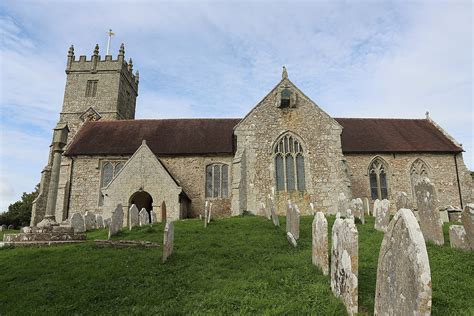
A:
{"points": [[98, 65]]}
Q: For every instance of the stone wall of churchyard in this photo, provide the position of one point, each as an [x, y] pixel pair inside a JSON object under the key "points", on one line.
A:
{"points": [[317, 132], [441, 171], [190, 172]]}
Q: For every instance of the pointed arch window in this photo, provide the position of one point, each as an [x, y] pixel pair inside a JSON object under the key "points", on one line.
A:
{"points": [[378, 179], [289, 164], [109, 170], [217, 181], [418, 170]]}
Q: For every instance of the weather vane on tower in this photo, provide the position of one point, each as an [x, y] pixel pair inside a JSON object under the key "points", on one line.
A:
{"points": [[110, 34]]}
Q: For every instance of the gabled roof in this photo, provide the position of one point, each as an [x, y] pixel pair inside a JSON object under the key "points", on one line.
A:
{"points": [[215, 136]]}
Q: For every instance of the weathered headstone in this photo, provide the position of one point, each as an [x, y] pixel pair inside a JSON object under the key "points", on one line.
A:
{"points": [[263, 210], [382, 217], [206, 213], [311, 209], [342, 204], [344, 263], [467, 219], [168, 240], [289, 216], [89, 220], [116, 222], [295, 222], [153, 217], [77, 223], [99, 220], [349, 215], [403, 272], [457, 237], [430, 221], [320, 242], [107, 222], [144, 217], [133, 218], [209, 216], [357, 208], [10, 227], [291, 239], [377, 206], [275, 219], [401, 200], [366, 206]]}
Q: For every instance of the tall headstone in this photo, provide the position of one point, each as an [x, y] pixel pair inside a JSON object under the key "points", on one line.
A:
{"points": [[168, 240], [133, 219], [144, 217], [89, 220], [99, 220], [377, 206], [401, 200], [430, 221], [289, 216], [382, 217], [344, 263], [206, 213], [295, 222], [116, 222], [77, 222], [320, 242], [403, 272], [366, 206], [467, 219], [342, 204], [275, 219], [209, 216]]}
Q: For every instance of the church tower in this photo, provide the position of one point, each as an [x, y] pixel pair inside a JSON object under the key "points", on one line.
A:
{"points": [[96, 89]]}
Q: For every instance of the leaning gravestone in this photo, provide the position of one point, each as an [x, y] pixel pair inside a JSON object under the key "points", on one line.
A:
{"points": [[168, 240], [403, 272], [289, 216], [365, 201], [275, 219], [382, 217], [116, 222], [77, 222], [401, 200], [320, 242], [430, 221], [342, 204], [467, 219], [89, 220], [99, 221], [344, 263], [457, 237], [133, 218], [143, 217], [291, 239]]}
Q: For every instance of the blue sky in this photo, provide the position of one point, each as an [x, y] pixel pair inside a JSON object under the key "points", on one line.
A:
{"points": [[218, 59]]}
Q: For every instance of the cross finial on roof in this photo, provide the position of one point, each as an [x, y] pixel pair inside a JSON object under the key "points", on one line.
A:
{"points": [[427, 115], [284, 73], [109, 34]]}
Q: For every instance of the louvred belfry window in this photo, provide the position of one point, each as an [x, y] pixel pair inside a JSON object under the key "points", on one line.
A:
{"points": [[289, 164], [217, 181]]}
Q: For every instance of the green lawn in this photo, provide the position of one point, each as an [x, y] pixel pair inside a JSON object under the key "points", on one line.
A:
{"points": [[237, 265]]}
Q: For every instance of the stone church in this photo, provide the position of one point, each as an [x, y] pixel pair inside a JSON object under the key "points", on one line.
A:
{"points": [[101, 155]]}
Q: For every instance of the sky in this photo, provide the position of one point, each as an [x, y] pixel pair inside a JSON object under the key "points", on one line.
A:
{"points": [[220, 58]]}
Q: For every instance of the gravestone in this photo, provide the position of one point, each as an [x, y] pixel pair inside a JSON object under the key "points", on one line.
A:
{"points": [[401, 200], [357, 207], [291, 239], [153, 217], [295, 222], [143, 217], [344, 263], [133, 218], [320, 242], [467, 219], [403, 272], [311, 209], [10, 227], [457, 237], [209, 216], [342, 204], [77, 223], [377, 206], [107, 222], [289, 216], [168, 240], [89, 220], [382, 217], [1, 228], [349, 215], [430, 221], [365, 201], [99, 221], [263, 210], [116, 222], [206, 213], [275, 219]]}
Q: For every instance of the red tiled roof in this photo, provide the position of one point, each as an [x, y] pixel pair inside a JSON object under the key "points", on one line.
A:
{"points": [[215, 136]]}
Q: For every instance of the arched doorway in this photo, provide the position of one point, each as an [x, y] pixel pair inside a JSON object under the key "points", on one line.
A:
{"points": [[142, 199]]}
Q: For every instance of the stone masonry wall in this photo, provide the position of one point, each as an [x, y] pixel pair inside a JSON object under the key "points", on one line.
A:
{"points": [[442, 172]]}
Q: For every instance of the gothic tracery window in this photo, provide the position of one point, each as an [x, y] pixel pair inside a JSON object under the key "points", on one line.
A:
{"points": [[378, 179], [217, 181], [289, 164], [109, 170], [418, 170]]}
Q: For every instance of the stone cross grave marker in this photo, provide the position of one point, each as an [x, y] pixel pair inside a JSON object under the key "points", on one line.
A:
{"points": [[77, 222], [89, 220], [344, 263], [382, 214], [133, 218], [116, 222], [403, 272], [168, 240], [430, 221], [144, 217], [320, 242]]}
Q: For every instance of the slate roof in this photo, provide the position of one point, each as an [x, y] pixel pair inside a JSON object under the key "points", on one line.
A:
{"points": [[215, 136]]}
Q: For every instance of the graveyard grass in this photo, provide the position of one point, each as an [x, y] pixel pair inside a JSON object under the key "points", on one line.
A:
{"points": [[236, 266]]}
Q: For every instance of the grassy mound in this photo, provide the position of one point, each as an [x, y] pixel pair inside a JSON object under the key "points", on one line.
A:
{"points": [[236, 266]]}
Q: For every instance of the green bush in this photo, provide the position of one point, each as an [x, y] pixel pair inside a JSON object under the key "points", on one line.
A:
{"points": [[19, 213]]}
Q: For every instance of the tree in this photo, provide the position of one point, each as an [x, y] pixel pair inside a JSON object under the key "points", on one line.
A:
{"points": [[19, 213]]}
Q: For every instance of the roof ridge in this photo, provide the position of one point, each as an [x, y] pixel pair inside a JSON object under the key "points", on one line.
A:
{"points": [[380, 118]]}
